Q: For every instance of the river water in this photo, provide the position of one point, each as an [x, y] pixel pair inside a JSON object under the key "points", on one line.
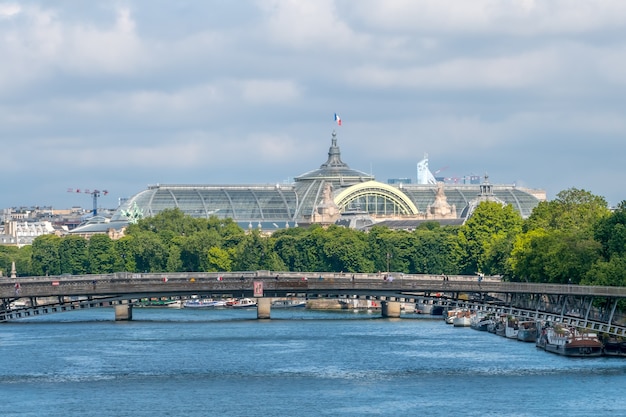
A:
{"points": [[191, 363]]}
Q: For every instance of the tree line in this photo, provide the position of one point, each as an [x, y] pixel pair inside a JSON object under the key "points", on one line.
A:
{"points": [[574, 238]]}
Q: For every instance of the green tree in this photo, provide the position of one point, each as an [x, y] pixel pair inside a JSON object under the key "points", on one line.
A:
{"points": [[481, 234], [101, 254], [174, 262], [610, 232], [194, 249], [8, 255], [73, 255], [149, 252], [45, 255], [219, 259], [255, 252], [572, 210], [345, 250], [610, 273], [125, 255], [434, 250]]}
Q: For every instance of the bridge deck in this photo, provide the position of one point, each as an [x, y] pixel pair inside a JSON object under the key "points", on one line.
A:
{"points": [[54, 294]]}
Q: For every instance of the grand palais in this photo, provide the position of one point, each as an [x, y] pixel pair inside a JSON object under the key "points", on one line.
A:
{"points": [[334, 193]]}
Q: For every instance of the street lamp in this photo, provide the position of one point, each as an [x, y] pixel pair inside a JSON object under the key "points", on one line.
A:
{"points": [[388, 257]]}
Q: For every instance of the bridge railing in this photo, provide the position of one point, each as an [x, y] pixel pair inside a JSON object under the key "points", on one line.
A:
{"points": [[81, 284]]}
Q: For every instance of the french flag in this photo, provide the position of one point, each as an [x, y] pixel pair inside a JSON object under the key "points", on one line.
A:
{"points": [[338, 119]]}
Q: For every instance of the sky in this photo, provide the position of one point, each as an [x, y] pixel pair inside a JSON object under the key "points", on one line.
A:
{"points": [[118, 95]]}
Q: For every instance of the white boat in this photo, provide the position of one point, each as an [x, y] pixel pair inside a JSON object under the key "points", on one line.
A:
{"points": [[512, 327], [569, 341], [174, 304], [202, 303], [216, 304], [289, 303], [244, 303], [482, 321], [527, 331], [463, 318], [449, 315]]}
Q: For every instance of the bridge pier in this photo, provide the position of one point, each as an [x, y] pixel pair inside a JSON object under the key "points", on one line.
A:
{"points": [[263, 307], [390, 309], [123, 312]]}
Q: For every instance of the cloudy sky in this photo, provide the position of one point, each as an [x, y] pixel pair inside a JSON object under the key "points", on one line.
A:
{"points": [[118, 95]]}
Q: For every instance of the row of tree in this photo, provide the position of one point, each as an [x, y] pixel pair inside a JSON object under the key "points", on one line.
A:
{"points": [[573, 238]]}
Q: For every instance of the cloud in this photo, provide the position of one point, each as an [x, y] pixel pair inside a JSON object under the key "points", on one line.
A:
{"points": [[133, 93], [38, 45], [494, 17]]}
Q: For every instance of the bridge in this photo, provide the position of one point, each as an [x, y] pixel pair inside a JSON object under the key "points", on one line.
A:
{"points": [[593, 307]]}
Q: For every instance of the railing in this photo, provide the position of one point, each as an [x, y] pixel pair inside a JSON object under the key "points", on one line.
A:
{"points": [[154, 282], [48, 290]]}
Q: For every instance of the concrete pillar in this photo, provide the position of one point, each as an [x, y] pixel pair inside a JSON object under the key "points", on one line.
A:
{"points": [[263, 307], [390, 309], [123, 312]]}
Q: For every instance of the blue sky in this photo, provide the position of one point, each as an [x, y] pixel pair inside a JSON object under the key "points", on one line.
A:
{"points": [[118, 95]]}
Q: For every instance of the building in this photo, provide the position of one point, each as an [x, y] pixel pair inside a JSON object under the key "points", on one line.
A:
{"points": [[332, 193]]}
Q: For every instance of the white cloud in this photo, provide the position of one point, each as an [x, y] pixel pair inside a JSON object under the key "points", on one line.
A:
{"points": [[199, 93], [516, 17], [512, 71], [90, 49], [39, 45], [8, 10], [308, 24]]}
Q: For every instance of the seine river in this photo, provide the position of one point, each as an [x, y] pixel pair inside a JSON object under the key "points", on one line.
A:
{"points": [[301, 363]]}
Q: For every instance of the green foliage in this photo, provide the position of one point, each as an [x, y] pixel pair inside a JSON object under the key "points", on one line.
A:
{"points": [[149, 252], [255, 252], [102, 257], [345, 249], [8, 255], [434, 251], [45, 255], [490, 229], [219, 259], [610, 231], [573, 210], [609, 273], [73, 255]]}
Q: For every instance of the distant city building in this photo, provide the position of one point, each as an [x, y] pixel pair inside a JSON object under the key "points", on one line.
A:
{"points": [[398, 181], [21, 233], [333, 193]]}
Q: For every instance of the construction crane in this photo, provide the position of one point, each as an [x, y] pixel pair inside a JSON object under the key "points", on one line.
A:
{"points": [[94, 193]]}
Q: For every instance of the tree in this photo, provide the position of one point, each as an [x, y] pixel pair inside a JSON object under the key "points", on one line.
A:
{"points": [[194, 249], [125, 256], [255, 252], [219, 259], [610, 232], [609, 273], [572, 210], [45, 255], [101, 255], [149, 252], [434, 250], [73, 255], [8, 255], [479, 236], [345, 250]]}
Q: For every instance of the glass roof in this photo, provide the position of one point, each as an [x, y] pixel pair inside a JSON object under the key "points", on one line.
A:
{"points": [[278, 206]]}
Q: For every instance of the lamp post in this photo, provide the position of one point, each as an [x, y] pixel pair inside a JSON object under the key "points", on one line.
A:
{"points": [[388, 258]]}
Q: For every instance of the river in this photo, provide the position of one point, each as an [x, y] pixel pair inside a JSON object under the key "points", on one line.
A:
{"points": [[192, 362]]}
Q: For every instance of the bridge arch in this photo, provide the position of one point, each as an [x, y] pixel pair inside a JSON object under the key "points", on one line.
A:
{"points": [[376, 198]]}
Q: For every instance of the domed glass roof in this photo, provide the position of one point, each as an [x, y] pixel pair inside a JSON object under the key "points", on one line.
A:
{"points": [[284, 205]]}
